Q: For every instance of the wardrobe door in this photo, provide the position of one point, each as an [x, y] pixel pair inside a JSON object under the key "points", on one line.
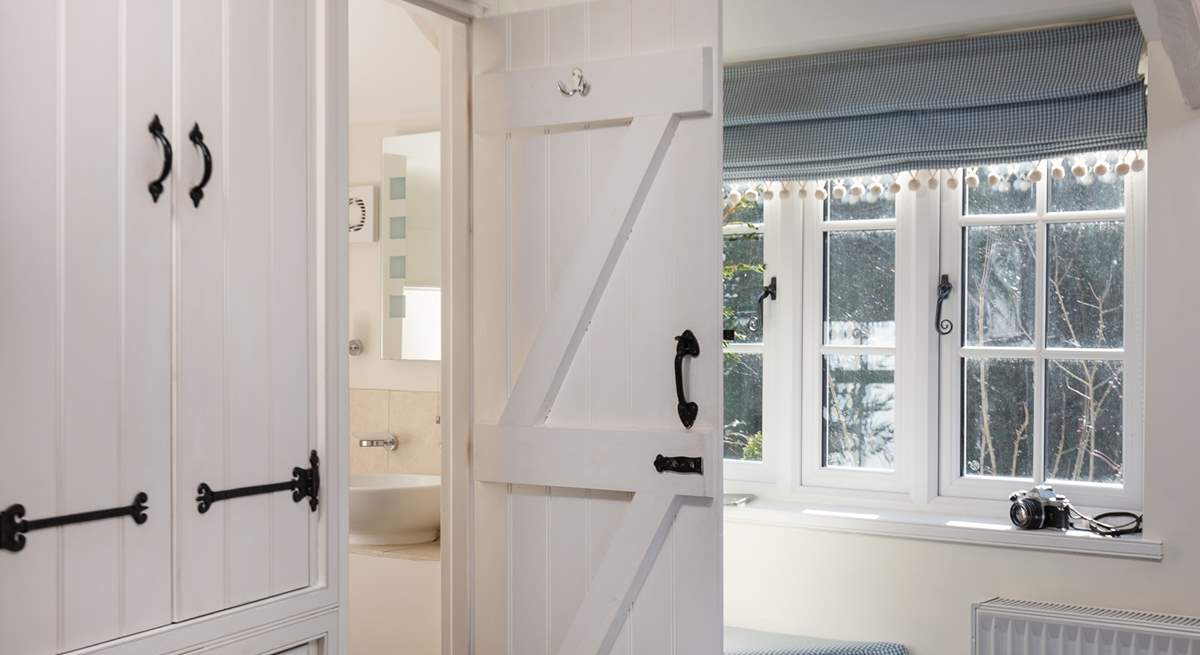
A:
{"points": [[245, 308], [85, 340]]}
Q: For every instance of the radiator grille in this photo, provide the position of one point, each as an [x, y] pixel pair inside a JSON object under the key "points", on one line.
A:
{"points": [[1017, 627]]}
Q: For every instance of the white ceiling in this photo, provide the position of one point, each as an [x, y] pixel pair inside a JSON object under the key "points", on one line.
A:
{"points": [[764, 29], [394, 66]]}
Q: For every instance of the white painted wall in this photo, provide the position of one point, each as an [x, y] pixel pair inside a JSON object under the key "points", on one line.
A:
{"points": [[763, 29], [920, 593]]}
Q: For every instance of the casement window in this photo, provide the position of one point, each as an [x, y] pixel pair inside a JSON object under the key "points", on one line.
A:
{"points": [[845, 387]]}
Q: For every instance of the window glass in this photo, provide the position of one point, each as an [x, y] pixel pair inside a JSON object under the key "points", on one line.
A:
{"points": [[1087, 183], [860, 287], [1084, 420], [743, 406], [859, 411], [743, 275], [1085, 273], [998, 411], [1000, 189], [861, 198], [1000, 292]]}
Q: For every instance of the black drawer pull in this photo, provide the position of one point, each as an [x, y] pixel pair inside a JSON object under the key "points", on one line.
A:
{"points": [[13, 526], [305, 483]]}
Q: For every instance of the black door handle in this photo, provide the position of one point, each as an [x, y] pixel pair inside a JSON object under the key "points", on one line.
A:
{"points": [[943, 326], [13, 526], [197, 192], [686, 345], [156, 129]]}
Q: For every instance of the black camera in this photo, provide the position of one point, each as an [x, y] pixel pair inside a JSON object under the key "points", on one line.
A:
{"points": [[1040, 508]]}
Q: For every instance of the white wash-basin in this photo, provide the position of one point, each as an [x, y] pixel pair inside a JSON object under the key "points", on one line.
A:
{"points": [[394, 509]]}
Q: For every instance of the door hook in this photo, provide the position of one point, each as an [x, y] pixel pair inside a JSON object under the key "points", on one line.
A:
{"points": [[578, 86]]}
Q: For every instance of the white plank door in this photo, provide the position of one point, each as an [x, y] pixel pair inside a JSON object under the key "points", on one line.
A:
{"points": [[245, 309], [596, 241], [85, 339]]}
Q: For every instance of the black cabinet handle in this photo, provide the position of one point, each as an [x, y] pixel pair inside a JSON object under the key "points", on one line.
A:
{"points": [[156, 129], [197, 192], [305, 483], [13, 526], [685, 346], [943, 326]]}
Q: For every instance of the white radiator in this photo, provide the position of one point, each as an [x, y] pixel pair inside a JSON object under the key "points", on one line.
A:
{"points": [[1016, 627]]}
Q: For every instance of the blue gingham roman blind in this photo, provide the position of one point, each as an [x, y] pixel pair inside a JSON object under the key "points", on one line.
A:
{"points": [[979, 100]]}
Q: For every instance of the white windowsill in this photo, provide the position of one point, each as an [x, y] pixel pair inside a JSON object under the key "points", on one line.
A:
{"points": [[932, 527]]}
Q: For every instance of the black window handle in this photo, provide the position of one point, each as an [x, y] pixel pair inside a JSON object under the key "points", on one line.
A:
{"points": [[686, 345], [156, 129], [197, 138], [770, 291], [13, 525], [943, 326]]}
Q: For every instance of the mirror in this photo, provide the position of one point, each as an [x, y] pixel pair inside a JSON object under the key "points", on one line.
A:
{"points": [[410, 266]]}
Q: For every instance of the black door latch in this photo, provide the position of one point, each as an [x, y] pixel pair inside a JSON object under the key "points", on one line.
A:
{"points": [[679, 464], [305, 483]]}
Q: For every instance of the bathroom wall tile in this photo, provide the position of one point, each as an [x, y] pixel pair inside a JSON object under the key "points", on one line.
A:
{"points": [[368, 413], [413, 418]]}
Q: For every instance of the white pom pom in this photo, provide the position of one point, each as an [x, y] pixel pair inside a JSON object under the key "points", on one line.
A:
{"points": [[785, 192], [1021, 184], [971, 180], [854, 200], [735, 198], [802, 191], [993, 179], [1057, 172], [1122, 169], [857, 190], [1087, 179], [914, 183], [1035, 175], [839, 192], [1079, 170], [768, 194], [819, 194], [932, 183], [894, 187], [1101, 168], [751, 195], [952, 182], [1138, 164]]}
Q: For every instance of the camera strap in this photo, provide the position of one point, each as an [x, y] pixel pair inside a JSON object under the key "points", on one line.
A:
{"points": [[1101, 524]]}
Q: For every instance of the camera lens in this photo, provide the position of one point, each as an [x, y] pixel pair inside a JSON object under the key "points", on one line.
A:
{"points": [[1027, 514]]}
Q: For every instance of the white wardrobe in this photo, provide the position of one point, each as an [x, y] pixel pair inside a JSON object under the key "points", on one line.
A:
{"points": [[154, 338]]}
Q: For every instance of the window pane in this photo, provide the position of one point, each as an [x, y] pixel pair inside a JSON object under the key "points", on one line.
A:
{"points": [[998, 417], [743, 274], [1000, 189], [1000, 291], [861, 198], [1085, 272], [859, 411], [1083, 421], [1099, 186], [860, 287], [743, 406], [743, 204]]}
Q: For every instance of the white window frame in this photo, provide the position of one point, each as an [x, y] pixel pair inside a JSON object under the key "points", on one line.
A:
{"points": [[926, 477], [953, 482]]}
